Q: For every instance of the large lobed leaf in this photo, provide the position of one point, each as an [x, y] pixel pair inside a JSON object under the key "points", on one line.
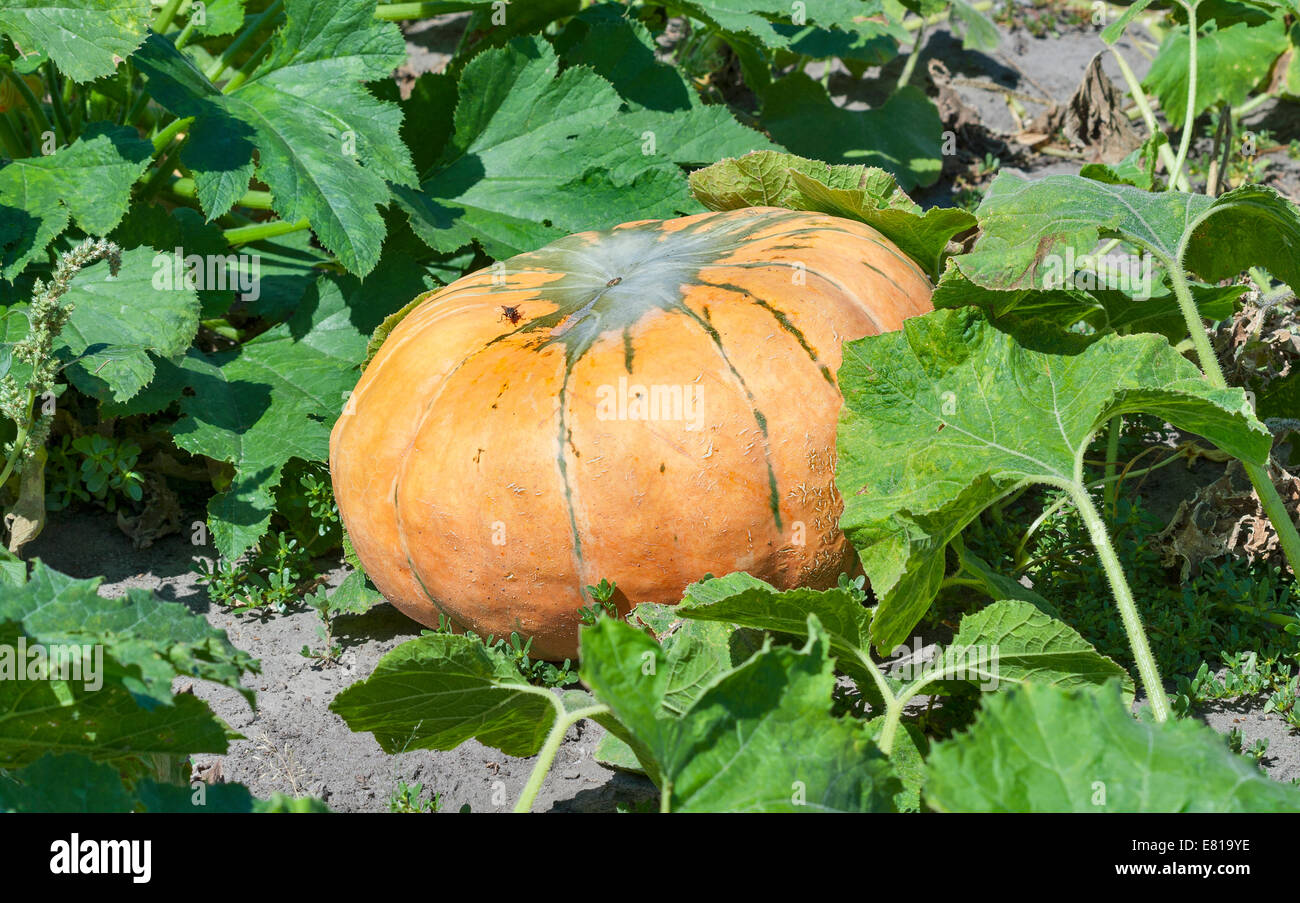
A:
{"points": [[1023, 222], [537, 154], [327, 155], [119, 707], [758, 739], [903, 135], [1047, 749], [1008, 642], [438, 691], [74, 783], [118, 323], [946, 416], [863, 193], [658, 100], [1230, 63], [276, 396], [85, 38], [155, 641], [770, 22], [88, 182]]}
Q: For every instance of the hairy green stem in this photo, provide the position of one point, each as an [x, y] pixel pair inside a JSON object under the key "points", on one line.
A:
{"points": [[1110, 494], [397, 12], [910, 66], [11, 139], [62, 127], [242, 235], [186, 33], [1146, 662], [1287, 534], [1252, 105], [255, 200], [254, 25], [33, 105], [546, 755], [1189, 122], [1139, 96], [164, 137], [166, 15], [247, 68]]}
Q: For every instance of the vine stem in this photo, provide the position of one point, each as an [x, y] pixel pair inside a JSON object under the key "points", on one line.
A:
{"points": [[20, 440], [33, 105], [164, 137], [166, 15], [242, 235], [1189, 122], [12, 141], [1139, 96], [1110, 494], [913, 24], [63, 128], [214, 71], [910, 66], [1146, 662], [1287, 535], [397, 12], [546, 755]]}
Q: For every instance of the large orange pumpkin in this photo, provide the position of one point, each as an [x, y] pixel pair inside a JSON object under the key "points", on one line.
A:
{"points": [[648, 405]]}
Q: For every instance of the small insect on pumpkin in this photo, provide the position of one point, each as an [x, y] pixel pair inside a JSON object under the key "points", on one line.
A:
{"points": [[666, 410]]}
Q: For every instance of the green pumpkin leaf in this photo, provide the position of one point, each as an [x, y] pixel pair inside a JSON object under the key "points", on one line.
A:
{"points": [[327, 156], [999, 586], [276, 396], [1010, 643], [749, 602], [74, 783], [118, 322], [730, 751], [1249, 226], [83, 37], [616, 754], [1049, 749], [1027, 226], [452, 689], [659, 102], [95, 715], [902, 136], [977, 31], [948, 415], [1230, 62], [53, 608], [1111, 33], [537, 154], [871, 43], [769, 21], [862, 193], [64, 783], [1103, 309], [908, 758], [88, 182]]}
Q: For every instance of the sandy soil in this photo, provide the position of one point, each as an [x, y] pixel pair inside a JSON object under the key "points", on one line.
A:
{"points": [[294, 743]]}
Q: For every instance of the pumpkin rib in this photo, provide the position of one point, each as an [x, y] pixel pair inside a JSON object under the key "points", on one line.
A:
{"points": [[784, 321], [774, 499], [866, 307], [871, 234]]}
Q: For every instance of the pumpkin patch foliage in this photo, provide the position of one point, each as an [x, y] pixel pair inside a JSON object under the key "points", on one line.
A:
{"points": [[668, 371]]}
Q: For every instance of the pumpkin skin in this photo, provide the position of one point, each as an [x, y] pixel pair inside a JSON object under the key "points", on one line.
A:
{"points": [[490, 464]]}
